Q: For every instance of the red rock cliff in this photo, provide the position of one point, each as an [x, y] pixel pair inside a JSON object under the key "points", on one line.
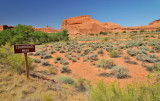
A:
{"points": [[85, 24]]}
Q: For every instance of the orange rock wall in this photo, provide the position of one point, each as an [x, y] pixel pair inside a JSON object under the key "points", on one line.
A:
{"points": [[85, 24]]}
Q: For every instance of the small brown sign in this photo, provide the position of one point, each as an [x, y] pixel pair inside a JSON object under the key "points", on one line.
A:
{"points": [[24, 48]]}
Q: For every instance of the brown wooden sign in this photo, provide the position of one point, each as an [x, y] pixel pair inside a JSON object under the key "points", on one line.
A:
{"points": [[24, 48]]}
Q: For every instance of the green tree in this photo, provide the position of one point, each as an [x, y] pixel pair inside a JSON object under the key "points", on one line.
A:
{"points": [[5, 36], [38, 37]]}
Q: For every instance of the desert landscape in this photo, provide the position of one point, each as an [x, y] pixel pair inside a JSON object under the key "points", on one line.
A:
{"points": [[87, 57]]}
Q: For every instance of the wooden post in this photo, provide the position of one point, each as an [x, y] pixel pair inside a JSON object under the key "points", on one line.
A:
{"points": [[27, 69]]}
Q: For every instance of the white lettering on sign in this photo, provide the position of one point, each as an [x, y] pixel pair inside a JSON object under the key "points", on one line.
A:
{"points": [[21, 47], [25, 50]]}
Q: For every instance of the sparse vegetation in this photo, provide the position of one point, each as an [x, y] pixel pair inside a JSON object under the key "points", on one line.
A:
{"points": [[66, 80], [120, 72]]}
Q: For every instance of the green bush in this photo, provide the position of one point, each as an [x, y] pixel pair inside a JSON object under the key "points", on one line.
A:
{"points": [[156, 66], [45, 63], [114, 54], [15, 62], [81, 85], [120, 72], [46, 97], [131, 92], [37, 60], [65, 69], [104, 63], [66, 80], [103, 33], [105, 39], [132, 52], [124, 32]]}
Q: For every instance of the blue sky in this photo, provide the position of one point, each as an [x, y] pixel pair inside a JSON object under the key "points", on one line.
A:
{"points": [[40, 13]]}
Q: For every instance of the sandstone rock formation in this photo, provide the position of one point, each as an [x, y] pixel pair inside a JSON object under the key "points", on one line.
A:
{"points": [[85, 24]]}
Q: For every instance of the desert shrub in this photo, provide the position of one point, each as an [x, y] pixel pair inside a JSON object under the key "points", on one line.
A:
{"points": [[147, 58], [133, 31], [100, 51], [157, 66], [47, 97], [124, 32], [61, 51], [58, 36], [135, 92], [144, 48], [57, 58], [158, 30], [64, 62], [65, 69], [66, 80], [104, 74], [148, 67], [13, 61], [114, 54], [45, 63], [105, 39], [46, 56], [126, 58], [151, 51], [53, 70], [103, 63], [132, 52], [37, 60], [142, 31], [85, 59], [93, 57], [103, 33], [81, 85], [17, 62], [141, 51], [120, 72], [157, 48], [37, 53], [91, 34], [131, 62], [52, 51]]}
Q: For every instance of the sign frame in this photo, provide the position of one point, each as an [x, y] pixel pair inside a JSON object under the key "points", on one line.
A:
{"points": [[25, 49]]}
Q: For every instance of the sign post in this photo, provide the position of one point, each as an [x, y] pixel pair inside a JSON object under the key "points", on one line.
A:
{"points": [[24, 49]]}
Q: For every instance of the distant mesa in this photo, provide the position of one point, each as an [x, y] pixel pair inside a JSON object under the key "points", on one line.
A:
{"points": [[85, 24]]}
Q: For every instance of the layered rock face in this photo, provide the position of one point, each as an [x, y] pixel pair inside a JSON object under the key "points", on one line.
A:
{"points": [[85, 24]]}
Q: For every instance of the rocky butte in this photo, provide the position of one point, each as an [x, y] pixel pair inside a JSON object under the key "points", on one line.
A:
{"points": [[85, 24]]}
